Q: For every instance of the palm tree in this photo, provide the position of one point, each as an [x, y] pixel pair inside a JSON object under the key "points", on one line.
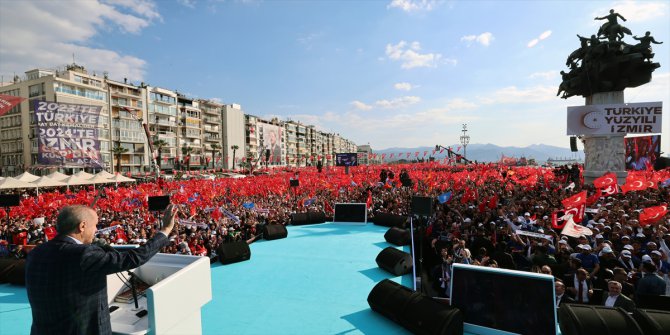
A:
{"points": [[186, 151], [234, 148], [215, 147], [118, 150], [159, 145]]}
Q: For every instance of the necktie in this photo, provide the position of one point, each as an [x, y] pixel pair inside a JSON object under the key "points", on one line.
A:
{"points": [[580, 298]]}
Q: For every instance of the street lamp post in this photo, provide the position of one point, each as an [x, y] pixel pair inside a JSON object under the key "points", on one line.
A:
{"points": [[465, 139]]}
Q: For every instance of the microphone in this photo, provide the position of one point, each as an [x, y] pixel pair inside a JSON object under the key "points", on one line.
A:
{"points": [[102, 243]]}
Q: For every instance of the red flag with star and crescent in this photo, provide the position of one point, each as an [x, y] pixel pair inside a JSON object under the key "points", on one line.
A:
{"points": [[651, 215]]}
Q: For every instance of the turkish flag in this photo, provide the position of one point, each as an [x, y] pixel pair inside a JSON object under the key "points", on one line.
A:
{"points": [[7, 102], [575, 200], [605, 180], [634, 182], [652, 215], [575, 230]]}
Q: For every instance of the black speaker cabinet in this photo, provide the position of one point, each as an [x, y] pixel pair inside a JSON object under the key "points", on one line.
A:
{"points": [[416, 312], [661, 163], [274, 231], [658, 302], [422, 206], [586, 320], [398, 236], [10, 200], [234, 252], [395, 261], [294, 182], [299, 219], [389, 220], [653, 322], [13, 271], [389, 299], [573, 144], [316, 217], [423, 315]]}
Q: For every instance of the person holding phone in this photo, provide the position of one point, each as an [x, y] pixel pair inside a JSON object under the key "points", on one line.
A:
{"points": [[66, 278]]}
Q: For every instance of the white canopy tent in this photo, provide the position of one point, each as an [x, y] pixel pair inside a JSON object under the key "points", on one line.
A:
{"points": [[27, 177], [74, 180], [105, 174], [47, 182], [100, 179], [11, 183], [119, 178], [57, 176], [83, 175]]}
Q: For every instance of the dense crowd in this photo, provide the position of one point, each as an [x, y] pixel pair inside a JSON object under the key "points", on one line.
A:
{"points": [[487, 214]]}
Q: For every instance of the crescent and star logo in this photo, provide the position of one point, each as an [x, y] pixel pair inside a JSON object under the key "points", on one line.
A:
{"points": [[594, 120]]}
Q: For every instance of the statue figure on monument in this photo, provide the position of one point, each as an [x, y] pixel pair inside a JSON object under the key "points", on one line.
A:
{"points": [[611, 29], [645, 45]]}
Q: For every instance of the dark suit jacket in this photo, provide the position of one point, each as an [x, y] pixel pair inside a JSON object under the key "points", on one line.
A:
{"points": [[67, 283], [566, 299], [622, 301]]}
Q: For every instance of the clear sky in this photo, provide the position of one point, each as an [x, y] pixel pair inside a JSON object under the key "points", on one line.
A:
{"points": [[394, 73]]}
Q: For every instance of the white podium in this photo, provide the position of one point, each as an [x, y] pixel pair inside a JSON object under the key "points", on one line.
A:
{"points": [[180, 286]]}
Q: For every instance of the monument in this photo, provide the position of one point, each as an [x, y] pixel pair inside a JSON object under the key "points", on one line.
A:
{"points": [[599, 70]]}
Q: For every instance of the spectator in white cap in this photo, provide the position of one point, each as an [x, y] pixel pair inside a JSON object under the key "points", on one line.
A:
{"points": [[662, 266], [626, 261], [607, 260]]}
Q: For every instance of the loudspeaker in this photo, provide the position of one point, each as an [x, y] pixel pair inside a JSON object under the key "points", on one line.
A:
{"points": [[416, 312], [234, 252], [294, 182], [658, 302], [274, 231], [316, 217], [395, 261], [398, 236], [423, 315], [299, 219], [389, 220], [661, 163], [10, 200], [653, 322], [422, 206], [389, 299], [13, 271], [585, 319], [573, 144]]}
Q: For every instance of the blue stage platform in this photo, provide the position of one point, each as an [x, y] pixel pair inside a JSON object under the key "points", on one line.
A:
{"points": [[316, 281]]}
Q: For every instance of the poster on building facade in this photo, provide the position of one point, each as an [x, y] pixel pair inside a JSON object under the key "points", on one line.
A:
{"points": [[67, 134], [269, 136]]}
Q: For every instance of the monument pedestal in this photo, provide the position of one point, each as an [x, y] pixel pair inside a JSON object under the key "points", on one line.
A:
{"points": [[604, 153]]}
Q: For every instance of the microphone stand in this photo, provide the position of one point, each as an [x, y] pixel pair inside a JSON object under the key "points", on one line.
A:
{"points": [[131, 279]]}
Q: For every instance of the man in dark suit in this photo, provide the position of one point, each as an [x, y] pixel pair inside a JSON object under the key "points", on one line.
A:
{"points": [[616, 299], [66, 278], [561, 297]]}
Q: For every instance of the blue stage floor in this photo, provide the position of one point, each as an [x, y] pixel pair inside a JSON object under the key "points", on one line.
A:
{"points": [[316, 281]]}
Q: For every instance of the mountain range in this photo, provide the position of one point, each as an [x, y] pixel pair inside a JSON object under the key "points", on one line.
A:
{"points": [[490, 152]]}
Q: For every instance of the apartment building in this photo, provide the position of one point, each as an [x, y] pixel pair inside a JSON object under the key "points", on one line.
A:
{"points": [[205, 131], [237, 130], [128, 110], [162, 120], [72, 84]]}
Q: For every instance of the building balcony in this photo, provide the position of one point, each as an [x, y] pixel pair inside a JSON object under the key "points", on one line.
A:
{"points": [[212, 138], [212, 129], [214, 120]]}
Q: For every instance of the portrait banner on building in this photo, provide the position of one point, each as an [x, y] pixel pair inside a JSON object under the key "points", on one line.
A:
{"points": [[269, 136], [615, 119], [67, 134]]}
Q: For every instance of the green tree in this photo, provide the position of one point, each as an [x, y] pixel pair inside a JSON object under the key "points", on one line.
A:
{"points": [[186, 152], [159, 145], [118, 150], [215, 147], [234, 148]]}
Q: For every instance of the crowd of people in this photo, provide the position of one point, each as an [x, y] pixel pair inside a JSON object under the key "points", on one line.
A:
{"points": [[494, 216]]}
